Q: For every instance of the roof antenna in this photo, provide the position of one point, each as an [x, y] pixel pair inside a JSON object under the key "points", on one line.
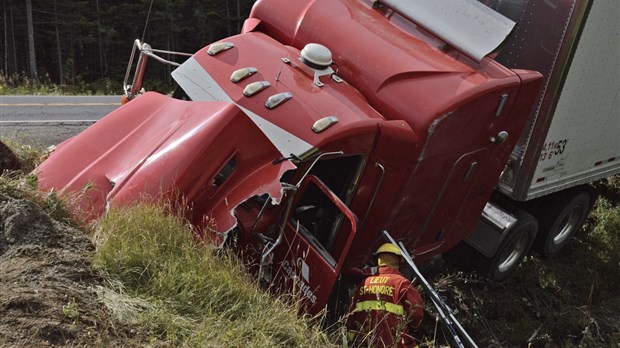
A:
{"points": [[148, 15], [287, 59]]}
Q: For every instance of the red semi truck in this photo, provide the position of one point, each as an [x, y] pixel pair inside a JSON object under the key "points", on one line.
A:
{"points": [[325, 122]]}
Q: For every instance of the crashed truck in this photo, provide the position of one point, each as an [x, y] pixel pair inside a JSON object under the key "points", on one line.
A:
{"points": [[324, 122]]}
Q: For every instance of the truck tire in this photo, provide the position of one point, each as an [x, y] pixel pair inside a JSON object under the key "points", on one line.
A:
{"points": [[559, 219], [514, 247]]}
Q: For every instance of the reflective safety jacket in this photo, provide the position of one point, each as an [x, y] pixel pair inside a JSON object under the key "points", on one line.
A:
{"points": [[385, 310]]}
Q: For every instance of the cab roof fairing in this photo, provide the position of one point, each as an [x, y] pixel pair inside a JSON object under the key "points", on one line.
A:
{"points": [[471, 27], [402, 72]]}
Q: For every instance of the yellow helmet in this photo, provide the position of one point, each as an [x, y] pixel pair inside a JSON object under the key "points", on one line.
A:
{"points": [[388, 248]]}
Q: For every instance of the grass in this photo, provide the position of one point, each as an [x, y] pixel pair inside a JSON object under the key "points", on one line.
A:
{"points": [[194, 295], [22, 183], [29, 155], [20, 186], [22, 85], [569, 301], [605, 233]]}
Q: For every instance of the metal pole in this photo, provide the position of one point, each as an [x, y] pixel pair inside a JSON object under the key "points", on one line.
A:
{"points": [[442, 307]]}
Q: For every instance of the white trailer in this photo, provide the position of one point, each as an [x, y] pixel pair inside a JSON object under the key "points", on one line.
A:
{"points": [[573, 135]]}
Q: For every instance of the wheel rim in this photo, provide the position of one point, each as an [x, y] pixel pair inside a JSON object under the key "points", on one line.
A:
{"points": [[567, 226], [513, 255]]}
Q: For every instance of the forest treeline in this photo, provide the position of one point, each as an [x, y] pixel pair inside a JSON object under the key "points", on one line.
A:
{"points": [[79, 42]]}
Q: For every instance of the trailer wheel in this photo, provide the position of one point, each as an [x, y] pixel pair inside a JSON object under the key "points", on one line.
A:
{"points": [[514, 247], [560, 219]]}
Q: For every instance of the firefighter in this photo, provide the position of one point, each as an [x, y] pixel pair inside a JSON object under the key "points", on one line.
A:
{"points": [[386, 308]]}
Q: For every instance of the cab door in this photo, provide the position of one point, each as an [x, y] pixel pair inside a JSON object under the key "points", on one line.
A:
{"points": [[317, 238]]}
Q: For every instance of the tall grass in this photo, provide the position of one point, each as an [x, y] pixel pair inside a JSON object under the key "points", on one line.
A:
{"points": [[22, 85], [196, 296], [22, 184]]}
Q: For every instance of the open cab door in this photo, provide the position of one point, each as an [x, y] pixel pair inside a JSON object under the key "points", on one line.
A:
{"points": [[317, 237]]}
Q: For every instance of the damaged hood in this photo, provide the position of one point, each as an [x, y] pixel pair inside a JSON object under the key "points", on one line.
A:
{"points": [[210, 155]]}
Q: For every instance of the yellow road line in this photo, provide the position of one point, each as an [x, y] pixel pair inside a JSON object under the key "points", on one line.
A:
{"points": [[62, 104]]}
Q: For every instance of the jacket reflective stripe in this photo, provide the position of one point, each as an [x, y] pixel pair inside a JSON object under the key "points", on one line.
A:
{"points": [[380, 306]]}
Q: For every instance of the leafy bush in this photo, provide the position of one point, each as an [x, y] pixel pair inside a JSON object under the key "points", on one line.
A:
{"points": [[605, 234], [20, 84]]}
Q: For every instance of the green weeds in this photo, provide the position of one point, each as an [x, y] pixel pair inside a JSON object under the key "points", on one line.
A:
{"points": [[70, 310], [22, 85]]}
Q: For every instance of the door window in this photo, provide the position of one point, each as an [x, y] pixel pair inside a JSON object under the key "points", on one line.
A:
{"points": [[316, 241], [315, 214]]}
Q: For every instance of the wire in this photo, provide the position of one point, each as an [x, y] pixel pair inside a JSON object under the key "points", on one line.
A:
{"points": [[288, 55], [148, 16]]}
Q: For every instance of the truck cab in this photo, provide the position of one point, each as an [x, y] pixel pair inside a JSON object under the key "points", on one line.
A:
{"points": [[304, 139]]}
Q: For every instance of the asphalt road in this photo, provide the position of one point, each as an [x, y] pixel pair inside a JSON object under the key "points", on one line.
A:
{"points": [[48, 120]]}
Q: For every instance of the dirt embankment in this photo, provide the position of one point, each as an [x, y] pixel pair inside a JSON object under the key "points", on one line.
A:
{"points": [[47, 295]]}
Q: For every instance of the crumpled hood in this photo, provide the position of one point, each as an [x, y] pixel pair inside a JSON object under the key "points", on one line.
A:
{"points": [[157, 147]]}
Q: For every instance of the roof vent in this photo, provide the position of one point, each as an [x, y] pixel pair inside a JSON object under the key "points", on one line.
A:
{"points": [[316, 56]]}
